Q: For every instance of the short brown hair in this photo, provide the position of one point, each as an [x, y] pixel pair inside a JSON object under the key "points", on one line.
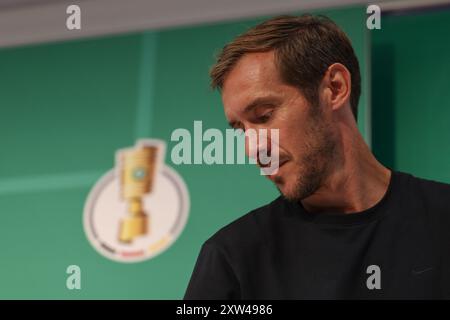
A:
{"points": [[305, 46]]}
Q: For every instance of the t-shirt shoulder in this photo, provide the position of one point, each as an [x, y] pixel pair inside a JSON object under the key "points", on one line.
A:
{"points": [[247, 229], [436, 194], [432, 196]]}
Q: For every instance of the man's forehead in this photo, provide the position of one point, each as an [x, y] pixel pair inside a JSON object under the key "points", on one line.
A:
{"points": [[251, 68], [254, 76]]}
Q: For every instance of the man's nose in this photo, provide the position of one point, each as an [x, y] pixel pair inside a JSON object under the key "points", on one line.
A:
{"points": [[257, 143]]}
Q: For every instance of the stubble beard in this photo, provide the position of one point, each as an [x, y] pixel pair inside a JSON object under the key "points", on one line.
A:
{"points": [[316, 161]]}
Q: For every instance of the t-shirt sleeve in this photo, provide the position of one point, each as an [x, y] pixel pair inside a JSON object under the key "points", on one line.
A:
{"points": [[213, 277]]}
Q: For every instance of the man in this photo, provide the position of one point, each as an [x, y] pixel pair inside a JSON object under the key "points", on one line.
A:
{"points": [[344, 226]]}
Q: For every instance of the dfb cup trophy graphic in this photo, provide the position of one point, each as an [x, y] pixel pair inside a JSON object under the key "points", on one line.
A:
{"points": [[136, 171], [138, 209]]}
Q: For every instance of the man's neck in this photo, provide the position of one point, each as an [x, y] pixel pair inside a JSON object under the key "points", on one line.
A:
{"points": [[356, 183]]}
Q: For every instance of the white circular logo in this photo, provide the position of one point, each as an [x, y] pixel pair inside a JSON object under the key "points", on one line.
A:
{"points": [[138, 210]]}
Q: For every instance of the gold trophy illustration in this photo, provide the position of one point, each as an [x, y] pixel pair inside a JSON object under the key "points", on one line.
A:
{"points": [[136, 168]]}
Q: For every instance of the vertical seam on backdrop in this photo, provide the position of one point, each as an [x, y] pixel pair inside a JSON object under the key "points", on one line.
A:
{"points": [[368, 86], [146, 84]]}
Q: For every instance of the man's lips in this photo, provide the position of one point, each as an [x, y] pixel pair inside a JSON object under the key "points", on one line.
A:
{"points": [[273, 164], [280, 164]]}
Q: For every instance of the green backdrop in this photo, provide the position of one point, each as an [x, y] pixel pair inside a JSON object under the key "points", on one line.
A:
{"points": [[66, 107], [411, 96]]}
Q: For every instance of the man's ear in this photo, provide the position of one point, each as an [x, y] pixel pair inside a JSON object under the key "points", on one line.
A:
{"points": [[337, 86]]}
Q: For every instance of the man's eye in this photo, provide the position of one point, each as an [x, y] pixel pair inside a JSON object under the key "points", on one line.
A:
{"points": [[265, 117]]}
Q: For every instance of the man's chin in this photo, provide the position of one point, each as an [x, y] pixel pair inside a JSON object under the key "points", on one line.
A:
{"points": [[289, 189], [294, 193], [289, 196], [287, 192]]}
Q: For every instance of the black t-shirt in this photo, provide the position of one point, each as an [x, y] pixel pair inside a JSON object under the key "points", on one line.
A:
{"points": [[398, 249]]}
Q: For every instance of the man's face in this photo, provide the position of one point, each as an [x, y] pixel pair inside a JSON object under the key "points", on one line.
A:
{"points": [[255, 97]]}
